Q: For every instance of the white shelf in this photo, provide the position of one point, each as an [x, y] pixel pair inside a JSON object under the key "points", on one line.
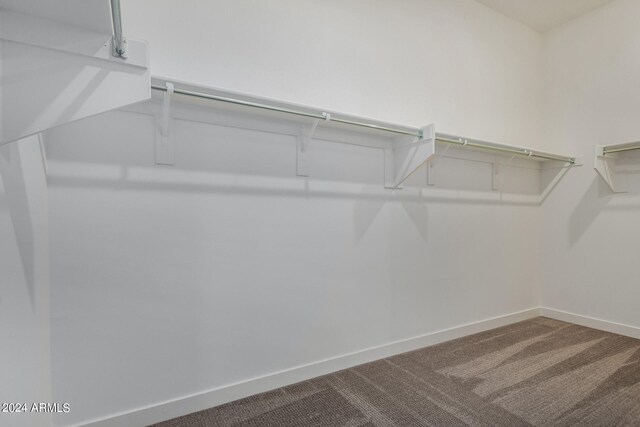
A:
{"points": [[530, 153], [406, 149], [58, 67], [91, 15]]}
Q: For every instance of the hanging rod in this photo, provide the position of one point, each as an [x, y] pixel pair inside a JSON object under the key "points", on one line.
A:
{"points": [[322, 116], [441, 138], [449, 139], [119, 48], [613, 149]]}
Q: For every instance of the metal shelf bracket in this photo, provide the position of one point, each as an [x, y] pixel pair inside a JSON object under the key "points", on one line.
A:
{"points": [[406, 157]]}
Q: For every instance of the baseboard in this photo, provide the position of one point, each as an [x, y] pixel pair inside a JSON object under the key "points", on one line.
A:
{"points": [[197, 402], [591, 322]]}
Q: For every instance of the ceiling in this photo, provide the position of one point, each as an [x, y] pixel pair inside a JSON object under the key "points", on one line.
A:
{"points": [[543, 15]]}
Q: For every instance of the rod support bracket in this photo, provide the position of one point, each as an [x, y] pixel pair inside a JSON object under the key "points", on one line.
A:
{"points": [[119, 52], [165, 151], [304, 139]]}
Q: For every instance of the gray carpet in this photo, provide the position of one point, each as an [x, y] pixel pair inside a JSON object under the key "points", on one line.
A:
{"points": [[538, 372]]}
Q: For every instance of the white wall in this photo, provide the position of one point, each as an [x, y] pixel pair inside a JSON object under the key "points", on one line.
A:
{"points": [[591, 237], [171, 281], [455, 63]]}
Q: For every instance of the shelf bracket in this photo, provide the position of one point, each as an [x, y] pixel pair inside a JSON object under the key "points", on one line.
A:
{"points": [[405, 158], [605, 166], [164, 136], [51, 66], [304, 139], [498, 173]]}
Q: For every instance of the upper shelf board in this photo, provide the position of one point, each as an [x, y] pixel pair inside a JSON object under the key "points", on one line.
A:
{"points": [[94, 15], [205, 95], [57, 65]]}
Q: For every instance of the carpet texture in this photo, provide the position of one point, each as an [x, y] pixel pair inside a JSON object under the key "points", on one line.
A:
{"points": [[539, 372]]}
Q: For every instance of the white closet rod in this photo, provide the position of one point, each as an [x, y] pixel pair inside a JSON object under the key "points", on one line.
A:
{"points": [[613, 149], [450, 139], [118, 39], [322, 116], [442, 138]]}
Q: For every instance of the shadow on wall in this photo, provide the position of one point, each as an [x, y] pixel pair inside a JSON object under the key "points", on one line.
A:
{"points": [[23, 182], [593, 201], [367, 209], [228, 159], [369, 199], [16, 197], [419, 214]]}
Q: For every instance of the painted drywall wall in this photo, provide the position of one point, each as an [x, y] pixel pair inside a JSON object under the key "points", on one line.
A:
{"points": [[591, 237], [25, 371], [171, 281], [455, 63], [225, 267]]}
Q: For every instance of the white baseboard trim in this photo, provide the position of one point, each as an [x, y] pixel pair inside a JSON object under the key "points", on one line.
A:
{"points": [[591, 322], [197, 402]]}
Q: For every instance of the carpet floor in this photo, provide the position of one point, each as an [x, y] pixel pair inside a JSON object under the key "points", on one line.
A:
{"points": [[538, 372]]}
